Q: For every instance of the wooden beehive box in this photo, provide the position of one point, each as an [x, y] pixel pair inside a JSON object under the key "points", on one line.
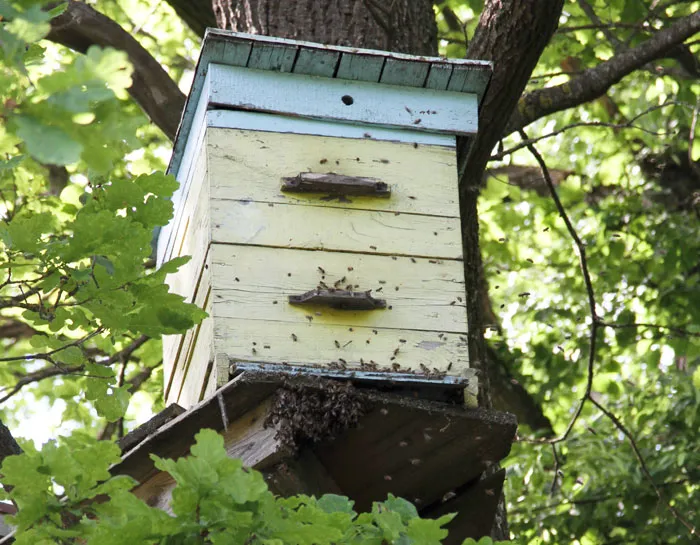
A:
{"points": [[318, 200]]}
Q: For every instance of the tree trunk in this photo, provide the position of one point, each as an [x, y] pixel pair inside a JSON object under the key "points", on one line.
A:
{"points": [[405, 26]]}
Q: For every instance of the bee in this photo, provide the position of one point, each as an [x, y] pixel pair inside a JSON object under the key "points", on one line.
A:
{"points": [[323, 161], [402, 340], [373, 247], [337, 344], [320, 269], [309, 317], [380, 288], [449, 366], [254, 351], [413, 260], [294, 337], [396, 288], [396, 351], [338, 282], [237, 279], [351, 269], [382, 281]]}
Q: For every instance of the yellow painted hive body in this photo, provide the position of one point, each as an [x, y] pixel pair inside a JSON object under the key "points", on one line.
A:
{"points": [[253, 245]]}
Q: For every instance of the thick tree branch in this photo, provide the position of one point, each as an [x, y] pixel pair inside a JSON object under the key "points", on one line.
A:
{"points": [[514, 33], [8, 445], [80, 26], [197, 15], [594, 82]]}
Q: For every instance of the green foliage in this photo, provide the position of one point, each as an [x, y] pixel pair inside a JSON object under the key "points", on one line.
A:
{"points": [[217, 501], [631, 201], [77, 226], [81, 191]]}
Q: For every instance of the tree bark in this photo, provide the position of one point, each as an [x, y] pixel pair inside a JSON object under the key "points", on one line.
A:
{"points": [[405, 26], [513, 33]]}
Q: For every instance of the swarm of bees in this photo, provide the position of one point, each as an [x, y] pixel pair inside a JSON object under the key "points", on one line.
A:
{"points": [[313, 411]]}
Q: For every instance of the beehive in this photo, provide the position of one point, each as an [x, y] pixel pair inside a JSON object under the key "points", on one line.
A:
{"points": [[318, 200]]}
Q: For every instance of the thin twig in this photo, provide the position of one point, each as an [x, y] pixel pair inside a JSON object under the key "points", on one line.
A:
{"points": [[47, 356], [645, 470], [595, 325], [586, 501], [616, 126], [677, 330], [583, 263]]}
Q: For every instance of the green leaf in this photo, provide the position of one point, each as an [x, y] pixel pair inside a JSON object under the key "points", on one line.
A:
{"points": [[46, 143]]}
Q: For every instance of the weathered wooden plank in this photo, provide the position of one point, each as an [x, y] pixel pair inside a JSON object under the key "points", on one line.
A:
{"points": [[303, 474], [343, 100], [423, 179], [273, 342], [236, 53], [477, 82], [439, 76], [254, 283], [403, 72], [157, 491], [174, 439], [475, 507], [248, 439], [273, 57], [415, 449], [245, 438], [177, 347], [192, 173], [198, 363], [215, 34], [316, 63], [255, 121], [191, 239], [134, 437], [323, 228], [360, 67]]}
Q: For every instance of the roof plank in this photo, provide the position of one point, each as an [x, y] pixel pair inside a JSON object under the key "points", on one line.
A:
{"points": [[316, 63], [439, 76], [360, 67], [275, 57], [404, 72]]}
